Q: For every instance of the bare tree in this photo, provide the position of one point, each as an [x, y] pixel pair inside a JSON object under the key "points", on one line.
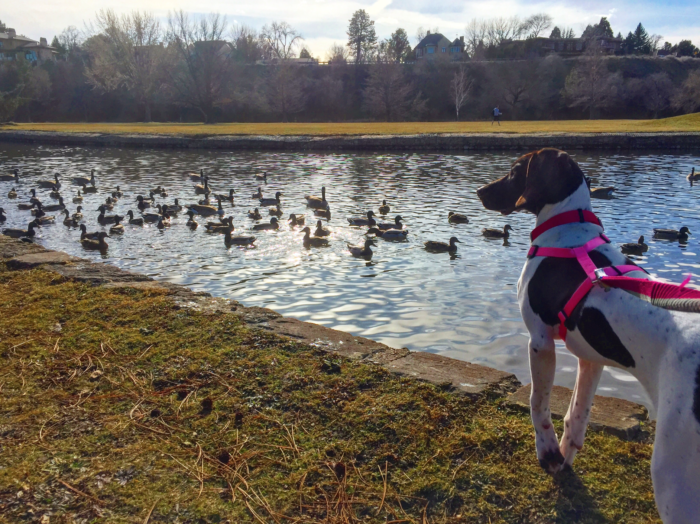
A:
{"points": [[422, 33], [281, 40], [337, 55], [460, 86], [516, 83], [536, 24], [502, 29], [687, 97], [247, 44], [388, 94], [654, 91], [590, 86], [285, 91], [475, 35]]}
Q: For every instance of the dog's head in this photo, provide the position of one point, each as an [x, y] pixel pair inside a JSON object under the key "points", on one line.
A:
{"points": [[539, 178]]}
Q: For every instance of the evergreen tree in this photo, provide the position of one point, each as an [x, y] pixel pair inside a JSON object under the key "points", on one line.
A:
{"points": [[398, 46], [362, 38], [3, 27], [602, 28], [556, 33]]}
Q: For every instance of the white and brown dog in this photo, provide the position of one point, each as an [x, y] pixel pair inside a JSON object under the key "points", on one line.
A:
{"points": [[609, 327]]}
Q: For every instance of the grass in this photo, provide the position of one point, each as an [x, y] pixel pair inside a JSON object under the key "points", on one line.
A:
{"points": [[685, 123], [119, 407]]}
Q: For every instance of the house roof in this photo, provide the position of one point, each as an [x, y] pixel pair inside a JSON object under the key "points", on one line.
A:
{"points": [[38, 45], [6, 36], [458, 42], [431, 39]]}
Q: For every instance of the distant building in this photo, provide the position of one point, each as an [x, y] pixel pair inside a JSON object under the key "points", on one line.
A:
{"points": [[437, 44], [303, 62], [565, 46], [18, 47]]}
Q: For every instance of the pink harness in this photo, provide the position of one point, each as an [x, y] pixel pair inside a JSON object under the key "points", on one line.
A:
{"points": [[670, 296]]}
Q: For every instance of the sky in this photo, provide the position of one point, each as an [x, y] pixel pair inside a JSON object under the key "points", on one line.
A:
{"points": [[324, 22]]}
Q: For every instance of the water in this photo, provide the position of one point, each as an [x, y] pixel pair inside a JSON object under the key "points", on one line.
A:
{"points": [[462, 306]]}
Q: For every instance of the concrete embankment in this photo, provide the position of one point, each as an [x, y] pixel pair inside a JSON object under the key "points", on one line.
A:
{"points": [[423, 142]]}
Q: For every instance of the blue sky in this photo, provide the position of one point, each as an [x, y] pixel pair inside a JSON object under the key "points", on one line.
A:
{"points": [[324, 22]]}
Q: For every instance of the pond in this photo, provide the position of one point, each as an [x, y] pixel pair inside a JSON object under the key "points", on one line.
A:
{"points": [[461, 306]]}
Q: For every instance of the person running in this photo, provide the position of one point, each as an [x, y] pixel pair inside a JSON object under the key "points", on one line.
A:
{"points": [[496, 115]]}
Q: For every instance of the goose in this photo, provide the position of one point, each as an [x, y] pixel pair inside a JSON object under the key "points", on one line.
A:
{"points": [[389, 234], [384, 208], [205, 211], [88, 189], [323, 213], [50, 184], [457, 218], [69, 220], [194, 177], [310, 241], [21, 233], [99, 245], [34, 199], [396, 225], [255, 215], [220, 209], [117, 228], [175, 208], [25, 207], [261, 177], [321, 231], [12, 193], [364, 250], [55, 193], [134, 221], [55, 207], [38, 211], [107, 219], [191, 223], [228, 198], [296, 220], [672, 234], [369, 221], [78, 199], [14, 177], [206, 201], [635, 248], [692, 177], [84, 233], [45, 220], [118, 193], [264, 227], [497, 233], [276, 211], [241, 240], [602, 192], [221, 227], [271, 201], [317, 203], [442, 247], [78, 215], [83, 181], [259, 194], [200, 189], [2, 215]]}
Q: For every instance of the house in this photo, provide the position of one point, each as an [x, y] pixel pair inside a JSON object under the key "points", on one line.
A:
{"points": [[565, 46], [18, 47], [437, 44], [302, 62]]}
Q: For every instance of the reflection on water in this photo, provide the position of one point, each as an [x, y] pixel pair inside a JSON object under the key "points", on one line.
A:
{"points": [[463, 305]]}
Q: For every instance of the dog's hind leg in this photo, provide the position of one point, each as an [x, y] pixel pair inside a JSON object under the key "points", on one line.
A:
{"points": [[576, 420]]}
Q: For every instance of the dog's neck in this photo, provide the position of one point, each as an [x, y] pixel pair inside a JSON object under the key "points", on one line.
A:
{"points": [[579, 199]]}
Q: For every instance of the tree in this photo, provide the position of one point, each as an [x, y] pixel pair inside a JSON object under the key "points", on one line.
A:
{"points": [[602, 28], [687, 98], [398, 47], [247, 46], [475, 34], [591, 87], [285, 91], [657, 90], [536, 24], [568, 33], [362, 38], [516, 83], [68, 42], [304, 53], [280, 40], [460, 86], [685, 48], [3, 27], [640, 42], [388, 94], [501, 29], [556, 32], [422, 33], [337, 55]]}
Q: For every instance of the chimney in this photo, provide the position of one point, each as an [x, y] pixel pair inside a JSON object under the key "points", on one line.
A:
{"points": [[425, 33], [43, 42], [461, 39], [11, 32]]}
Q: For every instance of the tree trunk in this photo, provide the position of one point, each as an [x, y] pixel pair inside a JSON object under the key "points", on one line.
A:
{"points": [[147, 111]]}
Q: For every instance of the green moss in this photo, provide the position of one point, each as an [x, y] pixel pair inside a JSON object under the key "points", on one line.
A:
{"points": [[139, 406]]}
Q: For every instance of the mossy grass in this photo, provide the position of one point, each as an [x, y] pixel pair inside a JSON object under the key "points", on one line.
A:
{"points": [[120, 407], [685, 123]]}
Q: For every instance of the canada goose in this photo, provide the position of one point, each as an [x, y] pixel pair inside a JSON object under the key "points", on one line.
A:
{"points": [[117, 228], [20, 233], [88, 189], [396, 225], [206, 201], [34, 199], [191, 223], [364, 250], [323, 213], [369, 221], [78, 199], [310, 241], [118, 193], [55, 193], [276, 211], [99, 245], [228, 198], [12, 193], [389, 234], [14, 177], [134, 221], [83, 181], [457, 218], [240, 240], [497, 233], [692, 177], [219, 209], [635, 248], [84, 233], [261, 177], [200, 189], [50, 184], [271, 201], [296, 220], [205, 211], [317, 203], [320, 230], [175, 208], [384, 208], [263, 227], [255, 215], [194, 177], [78, 215], [55, 207], [672, 234], [2, 215], [602, 192], [38, 211], [69, 221], [442, 247], [25, 207], [142, 203], [221, 227], [106, 219]]}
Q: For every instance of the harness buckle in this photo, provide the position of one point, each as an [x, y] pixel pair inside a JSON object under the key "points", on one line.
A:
{"points": [[599, 273]]}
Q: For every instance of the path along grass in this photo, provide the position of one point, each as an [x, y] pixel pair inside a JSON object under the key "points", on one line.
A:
{"points": [[119, 407], [685, 123]]}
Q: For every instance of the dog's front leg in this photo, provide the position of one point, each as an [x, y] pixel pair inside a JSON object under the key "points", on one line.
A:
{"points": [[543, 362], [576, 419]]}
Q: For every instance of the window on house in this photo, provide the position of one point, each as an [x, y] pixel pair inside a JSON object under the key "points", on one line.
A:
{"points": [[444, 49], [431, 50], [30, 55], [0, 44]]}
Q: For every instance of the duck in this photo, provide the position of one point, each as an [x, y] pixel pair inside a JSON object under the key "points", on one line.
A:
{"points": [[369, 221], [78, 215], [117, 193], [457, 218], [363, 250], [99, 244], [227, 198], [12, 193], [635, 248], [442, 247], [672, 234], [259, 194], [389, 234], [205, 211], [261, 177], [106, 219], [497, 233], [323, 213], [175, 208], [88, 189], [692, 177], [316, 202], [151, 217], [83, 181], [271, 201], [159, 191], [108, 204], [274, 224], [276, 211], [55, 207], [296, 220], [396, 225], [240, 240], [143, 203], [321, 231], [191, 222], [50, 184], [200, 189], [69, 221], [84, 233], [3, 218], [206, 201], [134, 221], [55, 193], [22, 233], [602, 192], [255, 215], [163, 222], [78, 199], [310, 241], [117, 228], [38, 211], [221, 227], [25, 207], [384, 208], [45, 220], [14, 177], [194, 177]]}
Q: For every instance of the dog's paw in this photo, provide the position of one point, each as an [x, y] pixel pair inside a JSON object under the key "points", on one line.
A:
{"points": [[552, 461], [569, 447]]}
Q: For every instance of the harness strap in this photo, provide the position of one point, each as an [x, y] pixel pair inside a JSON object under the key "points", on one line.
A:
{"points": [[568, 217]]}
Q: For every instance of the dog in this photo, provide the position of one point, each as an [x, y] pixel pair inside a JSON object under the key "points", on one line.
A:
{"points": [[608, 327]]}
